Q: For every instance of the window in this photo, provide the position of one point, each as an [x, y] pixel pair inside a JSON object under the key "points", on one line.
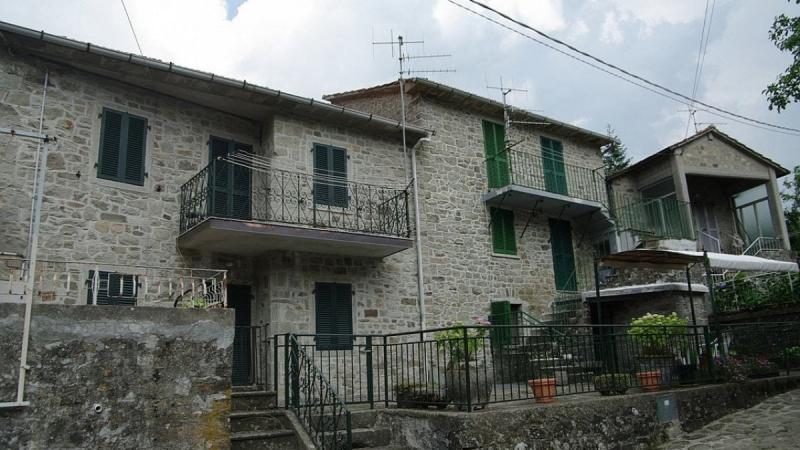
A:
{"points": [[503, 239], [330, 176], [334, 305], [555, 176], [113, 288], [494, 143], [230, 185], [122, 147], [563, 257]]}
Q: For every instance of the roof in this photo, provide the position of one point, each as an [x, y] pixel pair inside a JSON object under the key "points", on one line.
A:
{"points": [[780, 170], [230, 95], [679, 259], [475, 102]]}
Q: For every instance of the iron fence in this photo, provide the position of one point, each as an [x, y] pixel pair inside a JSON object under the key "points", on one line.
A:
{"points": [[228, 190], [470, 367], [655, 218], [251, 355], [747, 293], [554, 175]]}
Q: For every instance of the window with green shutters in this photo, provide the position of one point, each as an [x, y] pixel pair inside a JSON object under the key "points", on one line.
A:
{"points": [[330, 176], [503, 238], [123, 139], [230, 185], [334, 314], [494, 143], [555, 177], [112, 288]]}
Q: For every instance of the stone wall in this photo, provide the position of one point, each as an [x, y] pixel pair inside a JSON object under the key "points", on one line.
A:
{"points": [[117, 377], [712, 154]]}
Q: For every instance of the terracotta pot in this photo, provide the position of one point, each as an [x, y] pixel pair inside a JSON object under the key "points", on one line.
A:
{"points": [[649, 380], [544, 389]]}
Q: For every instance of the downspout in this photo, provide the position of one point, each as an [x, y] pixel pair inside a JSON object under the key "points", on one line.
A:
{"points": [[418, 233]]}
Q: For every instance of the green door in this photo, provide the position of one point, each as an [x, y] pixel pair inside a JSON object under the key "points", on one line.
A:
{"points": [[229, 184], [563, 257], [555, 177], [494, 142], [500, 314]]}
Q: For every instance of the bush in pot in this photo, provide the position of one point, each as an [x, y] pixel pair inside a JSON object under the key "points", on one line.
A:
{"points": [[660, 338], [461, 347], [611, 383]]}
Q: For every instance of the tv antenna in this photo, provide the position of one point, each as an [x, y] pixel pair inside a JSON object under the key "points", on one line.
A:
{"points": [[508, 109]]}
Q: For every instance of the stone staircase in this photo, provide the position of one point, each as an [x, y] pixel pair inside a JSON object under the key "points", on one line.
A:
{"points": [[365, 432]]}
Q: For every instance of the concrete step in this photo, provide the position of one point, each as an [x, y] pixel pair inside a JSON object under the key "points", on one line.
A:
{"points": [[364, 437], [253, 400], [358, 419], [248, 388], [260, 440], [259, 420]]}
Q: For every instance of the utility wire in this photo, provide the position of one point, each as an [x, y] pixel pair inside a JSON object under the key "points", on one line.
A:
{"points": [[701, 59], [685, 99], [131, 25]]}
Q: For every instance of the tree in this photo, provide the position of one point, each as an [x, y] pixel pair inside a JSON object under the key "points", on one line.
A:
{"points": [[791, 207], [785, 33], [615, 154]]}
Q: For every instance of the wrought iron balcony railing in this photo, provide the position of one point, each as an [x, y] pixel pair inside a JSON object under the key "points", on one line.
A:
{"points": [[230, 190], [659, 218], [549, 174]]}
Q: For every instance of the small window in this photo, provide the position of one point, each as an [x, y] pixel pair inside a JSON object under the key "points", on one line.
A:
{"points": [[330, 176], [503, 239], [113, 288], [334, 305], [122, 147]]}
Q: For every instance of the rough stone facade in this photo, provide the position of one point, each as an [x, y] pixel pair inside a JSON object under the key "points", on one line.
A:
{"points": [[116, 377]]}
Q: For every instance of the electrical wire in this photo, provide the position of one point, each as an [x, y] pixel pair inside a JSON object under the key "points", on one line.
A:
{"points": [[640, 81], [135, 38], [701, 59]]}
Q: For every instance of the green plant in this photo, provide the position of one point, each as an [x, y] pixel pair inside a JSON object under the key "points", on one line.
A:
{"points": [[611, 383], [788, 357], [656, 333], [458, 350], [196, 302]]}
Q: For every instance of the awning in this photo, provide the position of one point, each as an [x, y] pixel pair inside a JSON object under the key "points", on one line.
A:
{"points": [[644, 289], [679, 259]]}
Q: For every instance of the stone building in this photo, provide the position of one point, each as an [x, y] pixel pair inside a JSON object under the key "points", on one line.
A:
{"points": [[308, 205]]}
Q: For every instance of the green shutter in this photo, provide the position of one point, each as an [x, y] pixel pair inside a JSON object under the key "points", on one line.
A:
{"points": [[500, 314], [109, 289], [555, 178], [503, 236], [110, 145], [494, 143], [132, 170], [563, 256], [230, 185], [330, 170], [334, 315]]}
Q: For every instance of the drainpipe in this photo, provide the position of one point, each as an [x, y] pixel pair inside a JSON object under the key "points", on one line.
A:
{"points": [[418, 233]]}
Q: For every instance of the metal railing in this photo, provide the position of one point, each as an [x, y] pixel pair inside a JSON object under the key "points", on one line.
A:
{"points": [[748, 293], [251, 354], [660, 218], [100, 283], [470, 367], [314, 400], [227, 190], [555, 176], [763, 244]]}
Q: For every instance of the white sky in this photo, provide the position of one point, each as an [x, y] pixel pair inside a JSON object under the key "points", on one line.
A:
{"points": [[315, 47]]}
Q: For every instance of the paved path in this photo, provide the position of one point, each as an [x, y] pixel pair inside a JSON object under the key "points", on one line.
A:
{"points": [[772, 424]]}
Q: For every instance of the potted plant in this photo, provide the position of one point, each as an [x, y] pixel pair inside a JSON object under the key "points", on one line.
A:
{"points": [[544, 388], [461, 347], [410, 395], [656, 335], [611, 383]]}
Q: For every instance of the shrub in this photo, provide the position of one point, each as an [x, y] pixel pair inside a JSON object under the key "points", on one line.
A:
{"points": [[450, 341], [788, 357], [611, 383], [410, 395], [655, 332]]}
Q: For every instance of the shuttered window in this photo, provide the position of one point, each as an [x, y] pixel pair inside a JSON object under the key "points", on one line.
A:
{"points": [[230, 186], [494, 144], [503, 239], [122, 147], [330, 176], [112, 288], [563, 256], [334, 314], [555, 177]]}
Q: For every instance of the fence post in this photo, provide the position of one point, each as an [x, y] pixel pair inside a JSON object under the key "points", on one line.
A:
{"points": [[385, 373], [370, 383], [286, 369], [466, 372], [709, 356], [275, 364], [295, 363]]}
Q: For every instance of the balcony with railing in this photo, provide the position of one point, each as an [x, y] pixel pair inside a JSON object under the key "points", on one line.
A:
{"points": [[232, 207], [654, 219], [524, 180]]}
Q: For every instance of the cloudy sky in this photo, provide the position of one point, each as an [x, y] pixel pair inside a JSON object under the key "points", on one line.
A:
{"points": [[314, 47]]}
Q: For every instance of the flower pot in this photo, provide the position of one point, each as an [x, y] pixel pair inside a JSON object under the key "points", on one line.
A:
{"points": [[544, 389], [481, 382], [658, 363], [649, 380]]}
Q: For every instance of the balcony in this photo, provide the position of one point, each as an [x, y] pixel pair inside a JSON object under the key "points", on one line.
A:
{"points": [[654, 219], [549, 185], [230, 208]]}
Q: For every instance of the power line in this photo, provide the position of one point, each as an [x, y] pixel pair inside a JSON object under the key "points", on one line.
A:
{"points": [[131, 25], [685, 99], [701, 59]]}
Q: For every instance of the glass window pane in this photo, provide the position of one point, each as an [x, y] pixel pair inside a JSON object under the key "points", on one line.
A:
{"points": [[750, 195], [659, 189], [749, 222], [764, 219]]}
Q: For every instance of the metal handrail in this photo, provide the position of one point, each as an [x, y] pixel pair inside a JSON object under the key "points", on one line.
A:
{"points": [[760, 247], [310, 396]]}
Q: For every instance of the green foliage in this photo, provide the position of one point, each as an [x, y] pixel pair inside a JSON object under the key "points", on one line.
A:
{"points": [[743, 293], [451, 342], [196, 302], [611, 383], [791, 208], [788, 357], [785, 33], [615, 154], [656, 332]]}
